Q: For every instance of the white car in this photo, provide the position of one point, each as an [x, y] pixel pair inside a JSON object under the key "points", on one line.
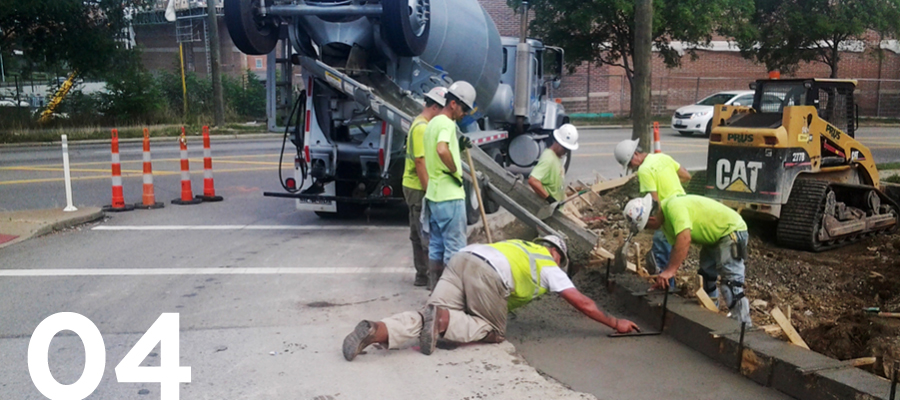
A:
{"points": [[695, 117]]}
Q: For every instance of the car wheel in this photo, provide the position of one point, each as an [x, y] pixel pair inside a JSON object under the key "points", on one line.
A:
{"points": [[686, 133], [708, 129]]}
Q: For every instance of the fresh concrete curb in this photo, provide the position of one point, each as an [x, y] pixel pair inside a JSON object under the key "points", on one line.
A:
{"points": [[767, 361], [34, 223]]}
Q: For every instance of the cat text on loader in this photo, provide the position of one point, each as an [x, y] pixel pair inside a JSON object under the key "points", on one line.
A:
{"points": [[793, 157]]}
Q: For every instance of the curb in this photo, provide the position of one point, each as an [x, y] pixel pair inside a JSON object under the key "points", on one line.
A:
{"points": [[56, 226], [770, 362]]}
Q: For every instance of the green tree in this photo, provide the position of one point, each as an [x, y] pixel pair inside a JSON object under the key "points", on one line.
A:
{"points": [[782, 33], [85, 35], [131, 94], [602, 31]]}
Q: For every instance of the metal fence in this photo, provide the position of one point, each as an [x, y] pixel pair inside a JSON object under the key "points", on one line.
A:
{"points": [[611, 94]]}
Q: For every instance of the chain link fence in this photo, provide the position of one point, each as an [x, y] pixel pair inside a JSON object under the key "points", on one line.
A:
{"points": [[609, 95]]}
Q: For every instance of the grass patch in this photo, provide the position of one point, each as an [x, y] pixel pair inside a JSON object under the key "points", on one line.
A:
{"points": [[886, 166], [102, 133], [893, 179]]}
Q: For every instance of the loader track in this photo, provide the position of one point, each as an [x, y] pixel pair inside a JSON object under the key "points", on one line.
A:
{"points": [[801, 219]]}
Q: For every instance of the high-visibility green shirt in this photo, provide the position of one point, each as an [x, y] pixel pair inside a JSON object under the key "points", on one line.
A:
{"points": [[549, 170], [415, 148], [707, 219], [659, 173], [442, 186]]}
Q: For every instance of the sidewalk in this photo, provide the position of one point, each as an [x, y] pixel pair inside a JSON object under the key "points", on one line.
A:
{"points": [[18, 226]]}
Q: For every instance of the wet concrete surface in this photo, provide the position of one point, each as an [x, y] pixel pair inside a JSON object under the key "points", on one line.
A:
{"points": [[562, 343]]}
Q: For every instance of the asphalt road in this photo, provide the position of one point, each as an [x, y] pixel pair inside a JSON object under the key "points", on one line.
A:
{"points": [[265, 294]]}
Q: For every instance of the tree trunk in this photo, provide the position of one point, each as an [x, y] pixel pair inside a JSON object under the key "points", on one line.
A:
{"points": [[835, 57], [640, 90], [213, 38]]}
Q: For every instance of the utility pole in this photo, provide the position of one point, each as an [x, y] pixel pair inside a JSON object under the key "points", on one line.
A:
{"points": [[213, 37], [640, 103]]}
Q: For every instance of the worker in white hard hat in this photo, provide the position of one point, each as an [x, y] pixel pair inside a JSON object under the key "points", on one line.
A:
{"points": [[548, 178], [660, 176], [415, 180], [444, 213], [720, 232], [482, 284]]}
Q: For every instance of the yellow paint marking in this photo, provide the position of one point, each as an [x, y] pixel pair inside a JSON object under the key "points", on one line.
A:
{"points": [[59, 169], [135, 175], [193, 160]]}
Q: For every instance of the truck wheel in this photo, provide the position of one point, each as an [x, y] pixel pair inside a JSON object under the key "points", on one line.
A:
{"points": [[405, 25], [251, 33]]}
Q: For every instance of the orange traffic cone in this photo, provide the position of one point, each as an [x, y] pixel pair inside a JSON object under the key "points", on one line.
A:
{"points": [[187, 195], [657, 148], [118, 197], [209, 187], [149, 199]]}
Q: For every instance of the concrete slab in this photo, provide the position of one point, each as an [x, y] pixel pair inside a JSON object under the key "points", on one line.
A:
{"points": [[23, 225]]}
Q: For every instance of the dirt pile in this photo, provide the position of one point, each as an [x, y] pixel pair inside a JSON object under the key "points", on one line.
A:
{"points": [[827, 293]]}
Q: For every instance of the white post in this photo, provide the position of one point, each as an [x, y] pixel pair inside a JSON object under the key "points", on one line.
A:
{"points": [[65, 150]]}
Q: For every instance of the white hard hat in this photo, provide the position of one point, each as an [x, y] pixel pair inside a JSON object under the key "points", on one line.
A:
{"points": [[436, 94], [637, 211], [560, 245], [463, 91], [567, 136], [625, 151]]}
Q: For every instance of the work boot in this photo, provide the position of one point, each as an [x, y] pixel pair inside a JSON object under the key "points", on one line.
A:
{"points": [[421, 280], [435, 270], [434, 319], [362, 336], [493, 337]]}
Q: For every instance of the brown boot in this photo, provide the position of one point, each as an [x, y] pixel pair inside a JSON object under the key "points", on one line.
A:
{"points": [[362, 336], [435, 270]]}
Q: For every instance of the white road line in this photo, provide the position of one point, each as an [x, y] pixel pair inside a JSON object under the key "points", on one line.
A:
{"points": [[200, 271], [246, 227]]}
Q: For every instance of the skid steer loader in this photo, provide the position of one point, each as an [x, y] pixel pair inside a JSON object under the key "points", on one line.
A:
{"points": [[793, 157]]}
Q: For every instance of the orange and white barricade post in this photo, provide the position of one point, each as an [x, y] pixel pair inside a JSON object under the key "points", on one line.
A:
{"points": [[149, 198], [209, 188], [187, 195], [118, 197], [657, 148]]}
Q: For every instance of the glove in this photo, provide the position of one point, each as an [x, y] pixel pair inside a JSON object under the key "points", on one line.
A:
{"points": [[550, 200], [464, 142]]}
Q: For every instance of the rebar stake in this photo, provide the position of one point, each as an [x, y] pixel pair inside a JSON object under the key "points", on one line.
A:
{"points": [[894, 379], [740, 352]]}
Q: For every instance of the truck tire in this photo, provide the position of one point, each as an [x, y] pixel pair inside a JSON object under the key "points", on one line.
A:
{"points": [[251, 34], [405, 25]]}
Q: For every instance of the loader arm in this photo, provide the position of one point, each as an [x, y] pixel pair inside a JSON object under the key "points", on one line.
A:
{"points": [[58, 97]]}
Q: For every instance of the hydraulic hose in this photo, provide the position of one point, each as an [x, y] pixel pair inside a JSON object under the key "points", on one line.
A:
{"points": [[300, 103]]}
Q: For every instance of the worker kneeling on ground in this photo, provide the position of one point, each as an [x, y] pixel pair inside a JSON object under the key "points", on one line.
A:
{"points": [[482, 283], [719, 230], [548, 178]]}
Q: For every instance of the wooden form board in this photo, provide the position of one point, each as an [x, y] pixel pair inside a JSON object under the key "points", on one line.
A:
{"points": [[610, 184], [603, 253], [788, 329], [705, 301]]}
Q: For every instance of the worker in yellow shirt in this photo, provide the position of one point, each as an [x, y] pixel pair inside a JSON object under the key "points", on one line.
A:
{"points": [[660, 176], [415, 180], [720, 232], [548, 177], [482, 284]]}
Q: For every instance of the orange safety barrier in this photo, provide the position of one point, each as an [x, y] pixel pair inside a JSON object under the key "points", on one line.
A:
{"points": [[118, 197], [149, 198], [187, 195], [209, 187]]}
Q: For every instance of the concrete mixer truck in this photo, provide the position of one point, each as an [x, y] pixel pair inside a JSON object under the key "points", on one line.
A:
{"points": [[367, 64]]}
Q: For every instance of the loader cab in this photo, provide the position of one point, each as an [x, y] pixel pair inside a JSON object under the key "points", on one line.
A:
{"points": [[832, 98]]}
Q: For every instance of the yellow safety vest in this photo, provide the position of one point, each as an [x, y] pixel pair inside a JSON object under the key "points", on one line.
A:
{"points": [[526, 259]]}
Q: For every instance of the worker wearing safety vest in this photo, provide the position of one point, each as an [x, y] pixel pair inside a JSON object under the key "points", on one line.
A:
{"points": [[661, 177], [481, 284], [415, 180]]}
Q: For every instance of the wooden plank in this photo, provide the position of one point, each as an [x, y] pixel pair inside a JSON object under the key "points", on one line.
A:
{"points": [[862, 361], [610, 184], [601, 252], [770, 329], [637, 261], [788, 329], [705, 301]]}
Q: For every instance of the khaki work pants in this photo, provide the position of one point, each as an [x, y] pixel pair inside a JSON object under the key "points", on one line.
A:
{"points": [[473, 293], [416, 236]]}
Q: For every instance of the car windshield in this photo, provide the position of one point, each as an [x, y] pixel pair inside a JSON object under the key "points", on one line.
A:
{"points": [[718, 98]]}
